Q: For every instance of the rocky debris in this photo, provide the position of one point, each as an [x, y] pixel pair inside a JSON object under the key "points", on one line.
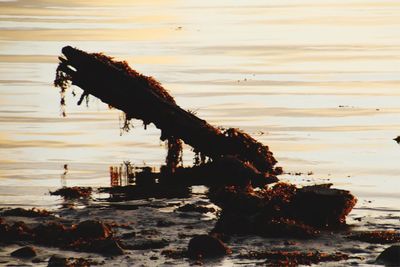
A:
{"points": [[19, 212], [293, 258], [281, 210], [24, 252], [206, 246], [390, 256], [377, 237], [229, 223], [73, 192]]}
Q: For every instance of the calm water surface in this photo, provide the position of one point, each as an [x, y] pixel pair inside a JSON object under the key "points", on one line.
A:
{"points": [[318, 81]]}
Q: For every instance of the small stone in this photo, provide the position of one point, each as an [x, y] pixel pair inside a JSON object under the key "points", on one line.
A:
{"points": [[24, 252], [390, 256], [57, 261], [205, 246]]}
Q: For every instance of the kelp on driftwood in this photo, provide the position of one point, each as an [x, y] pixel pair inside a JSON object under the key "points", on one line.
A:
{"points": [[237, 159], [143, 98]]}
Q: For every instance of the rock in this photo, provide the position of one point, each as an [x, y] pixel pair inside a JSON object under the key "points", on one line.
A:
{"points": [[57, 261], [91, 229], [205, 246], [24, 252], [390, 256]]}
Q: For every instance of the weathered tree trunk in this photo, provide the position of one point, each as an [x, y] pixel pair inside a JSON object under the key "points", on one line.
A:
{"points": [[141, 97]]}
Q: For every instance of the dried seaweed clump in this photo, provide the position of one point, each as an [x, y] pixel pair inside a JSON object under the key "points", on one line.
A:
{"points": [[62, 81], [377, 237], [34, 212], [73, 192], [174, 154], [255, 152], [88, 236], [293, 258]]}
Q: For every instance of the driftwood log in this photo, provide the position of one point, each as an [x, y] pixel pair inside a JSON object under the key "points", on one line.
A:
{"points": [[143, 98], [237, 158]]}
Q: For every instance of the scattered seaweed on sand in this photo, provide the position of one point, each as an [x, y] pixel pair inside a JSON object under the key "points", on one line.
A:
{"points": [[19, 212], [89, 236], [60, 261], [293, 258], [195, 208], [73, 192], [377, 237]]}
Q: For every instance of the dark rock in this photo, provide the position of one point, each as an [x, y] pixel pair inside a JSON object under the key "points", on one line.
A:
{"points": [[390, 256], [91, 229], [58, 261], [205, 246], [24, 252]]}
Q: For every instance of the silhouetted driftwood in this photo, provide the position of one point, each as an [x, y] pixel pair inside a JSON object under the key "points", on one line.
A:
{"points": [[142, 97], [237, 158]]}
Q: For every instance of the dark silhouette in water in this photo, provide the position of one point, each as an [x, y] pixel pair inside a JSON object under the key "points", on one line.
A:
{"points": [[142, 97]]}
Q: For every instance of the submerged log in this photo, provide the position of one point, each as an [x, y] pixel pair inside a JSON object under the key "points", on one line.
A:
{"points": [[143, 98]]}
